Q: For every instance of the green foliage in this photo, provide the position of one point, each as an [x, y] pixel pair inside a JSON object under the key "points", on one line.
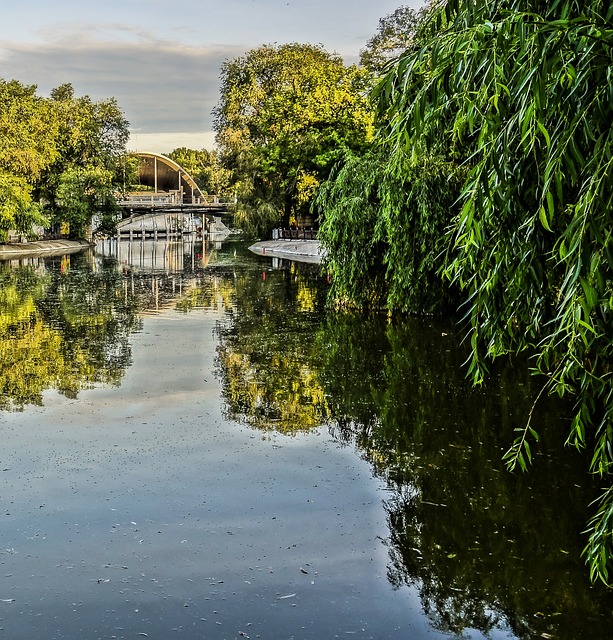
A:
{"points": [[384, 229], [45, 143], [27, 146], [204, 167], [255, 216], [28, 130], [520, 92], [90, 165], [348, 204], [286, 115], [17, 211], [80, 191], [417, 204], [599, 549], [395, 34]]}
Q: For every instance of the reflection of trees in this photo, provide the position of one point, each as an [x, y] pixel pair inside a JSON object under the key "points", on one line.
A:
{"points": [[215, 291], [484, 548], [65, 328], [267, 356]]}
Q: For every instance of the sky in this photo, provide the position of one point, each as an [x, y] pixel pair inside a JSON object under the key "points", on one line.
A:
{"points": [[161, 59]]}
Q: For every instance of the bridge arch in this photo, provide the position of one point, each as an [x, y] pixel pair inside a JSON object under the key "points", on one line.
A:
{"points": [[167, 176]]}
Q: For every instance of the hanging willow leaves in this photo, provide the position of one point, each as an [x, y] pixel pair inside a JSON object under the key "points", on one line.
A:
{"points": [[519, 93], [383, 225]]}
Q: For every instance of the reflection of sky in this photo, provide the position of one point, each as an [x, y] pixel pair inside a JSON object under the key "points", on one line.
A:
{"points": [[139, 510], [161, 59]]}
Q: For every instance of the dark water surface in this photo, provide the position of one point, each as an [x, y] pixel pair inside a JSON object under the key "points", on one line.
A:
{"points": [[192, 447]]}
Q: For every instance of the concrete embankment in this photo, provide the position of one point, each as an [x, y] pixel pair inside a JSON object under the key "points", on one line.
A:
{"points": [[299, 250], [19, 250]]}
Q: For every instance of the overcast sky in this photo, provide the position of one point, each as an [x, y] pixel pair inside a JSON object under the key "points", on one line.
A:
{"points": [[161, 58]]}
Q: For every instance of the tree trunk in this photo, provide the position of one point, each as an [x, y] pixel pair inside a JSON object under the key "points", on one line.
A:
{"points": [[287, 210]]}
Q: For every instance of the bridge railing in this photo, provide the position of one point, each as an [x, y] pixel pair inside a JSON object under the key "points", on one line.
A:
{"points": [[174, 198], [150, 198], [294, 234], [217, 199]]}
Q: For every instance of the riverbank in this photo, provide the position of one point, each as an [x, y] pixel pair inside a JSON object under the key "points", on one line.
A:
{"points": [[42, 247], [300, 250]]}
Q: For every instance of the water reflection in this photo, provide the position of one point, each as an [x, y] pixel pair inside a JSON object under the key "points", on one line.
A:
{"points": [[268, 354], [64, 326], [65, 321], [185, 255], [485, 550]]}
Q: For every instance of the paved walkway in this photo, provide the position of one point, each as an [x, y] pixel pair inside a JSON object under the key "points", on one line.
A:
{"points": [[300, 250], [42, 247]]}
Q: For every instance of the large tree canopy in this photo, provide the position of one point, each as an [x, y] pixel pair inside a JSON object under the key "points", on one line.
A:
{"points": [[517, 95], [59, 157], [286, 115], [90, 142]]}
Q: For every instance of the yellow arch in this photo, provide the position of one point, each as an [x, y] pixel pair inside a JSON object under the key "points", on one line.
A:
{"points": [[164, 174]]}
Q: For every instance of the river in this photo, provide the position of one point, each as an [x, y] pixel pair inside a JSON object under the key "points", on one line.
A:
{"points": [[194, 447]]}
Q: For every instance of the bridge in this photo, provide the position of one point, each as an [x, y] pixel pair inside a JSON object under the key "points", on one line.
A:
{"points": [[170, 189]]}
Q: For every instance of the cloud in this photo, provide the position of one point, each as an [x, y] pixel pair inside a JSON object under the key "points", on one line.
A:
{"points": [[154, 61], [162, 86], [166, 142]]}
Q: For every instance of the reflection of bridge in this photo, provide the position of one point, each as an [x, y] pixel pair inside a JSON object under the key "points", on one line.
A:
{"points": [[168, 222], [170, 188], [179, 256]]}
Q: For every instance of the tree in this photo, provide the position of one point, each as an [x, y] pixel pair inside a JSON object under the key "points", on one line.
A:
{"points": [[384, 218], [385, 213], [204, 167], [395, 34], [520, 92], [89, 166], [17, 211], [286, 115], [27, 146], [28, 130], [79, 193], [59, 156]]}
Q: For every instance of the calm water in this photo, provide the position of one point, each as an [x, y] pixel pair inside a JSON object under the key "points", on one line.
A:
{"points": [[194, 448]]}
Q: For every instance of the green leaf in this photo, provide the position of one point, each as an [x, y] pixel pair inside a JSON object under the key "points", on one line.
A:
{"points": [[543, 218]]}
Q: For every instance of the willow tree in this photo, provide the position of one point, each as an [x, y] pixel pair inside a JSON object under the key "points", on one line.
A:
{"points": [[286, 115], [521, 93], [383, 221]]}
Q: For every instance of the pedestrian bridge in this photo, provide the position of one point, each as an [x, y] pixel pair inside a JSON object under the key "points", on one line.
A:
{"points": [[168, 185]]}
